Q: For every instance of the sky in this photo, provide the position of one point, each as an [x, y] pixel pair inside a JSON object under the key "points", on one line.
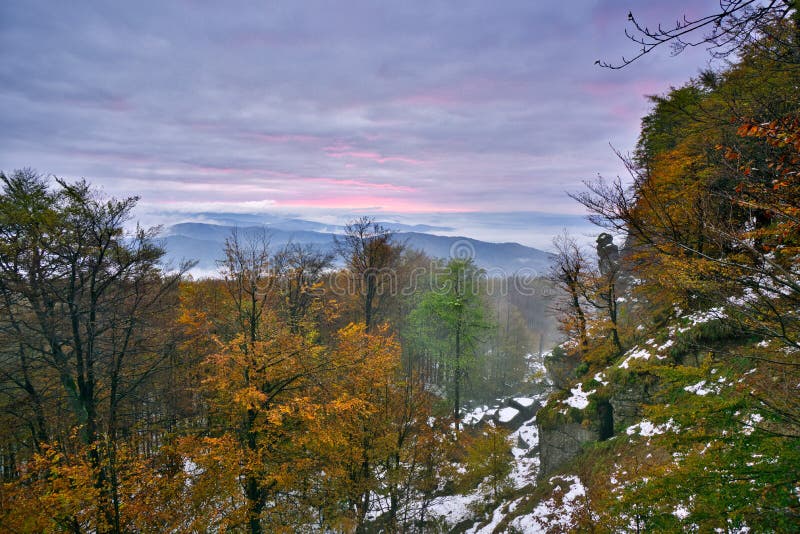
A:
{"points": [[472, 114]]}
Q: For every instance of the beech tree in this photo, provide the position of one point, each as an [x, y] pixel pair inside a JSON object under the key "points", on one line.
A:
{"points": [[82, 302]]}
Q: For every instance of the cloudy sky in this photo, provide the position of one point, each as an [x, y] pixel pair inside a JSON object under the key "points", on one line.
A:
{"points": [[475, 114]]}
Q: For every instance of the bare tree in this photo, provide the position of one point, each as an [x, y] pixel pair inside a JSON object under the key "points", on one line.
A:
{"points": [[249, 279], [736, 24], [601, 288], [569, 271], [370, 254], [301, 268]]}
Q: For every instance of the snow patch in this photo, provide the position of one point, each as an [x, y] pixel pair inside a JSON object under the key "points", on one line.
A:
{"points": [[698, 389], [666, 345], [525, 402], [647, 429], [454, 508], [579, 398], [681, 512], [507, 414], [705, 316], [635, 354], [554, 515], [751, 422], [601, 378]]}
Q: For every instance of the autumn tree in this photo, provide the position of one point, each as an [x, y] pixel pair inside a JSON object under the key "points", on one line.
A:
{"points": [[710, 214], [82, 302], [377, 442], [259, 406], [256, 379], [488, 460]]}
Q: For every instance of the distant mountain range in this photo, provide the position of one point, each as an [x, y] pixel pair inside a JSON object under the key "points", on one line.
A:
{"points": [[203, 242]]}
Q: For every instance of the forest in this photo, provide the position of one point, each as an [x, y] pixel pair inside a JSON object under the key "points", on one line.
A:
{"points": [[284, 393], [302, 391]]}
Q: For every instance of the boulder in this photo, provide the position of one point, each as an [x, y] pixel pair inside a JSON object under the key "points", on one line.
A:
{"points": [[509, 417], [561, 443], [525, 405]]}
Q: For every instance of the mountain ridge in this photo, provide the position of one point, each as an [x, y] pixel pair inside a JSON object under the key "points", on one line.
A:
{"points": [[203, 242]]}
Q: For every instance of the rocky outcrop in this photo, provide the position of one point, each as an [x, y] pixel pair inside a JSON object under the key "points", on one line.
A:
{"points": [[510, 413], [561, 443], [627, 403], [564, 431]]}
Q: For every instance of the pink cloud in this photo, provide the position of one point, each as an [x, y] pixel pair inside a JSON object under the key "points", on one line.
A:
{"points": [[645, 86], [360, 183], [368, 202], [431, 98], [283, 138], [468, 89], [345, 151]]}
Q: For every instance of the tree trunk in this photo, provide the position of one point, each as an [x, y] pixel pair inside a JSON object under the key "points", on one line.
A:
{"points": [[368, 300], [254, 491], [457, 396]]}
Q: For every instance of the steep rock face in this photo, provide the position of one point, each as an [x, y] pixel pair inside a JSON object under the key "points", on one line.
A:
{"points": [[627, 402], [561, 443]]}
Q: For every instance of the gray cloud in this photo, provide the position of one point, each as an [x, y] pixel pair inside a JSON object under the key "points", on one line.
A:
{"points": [[426, 106]]}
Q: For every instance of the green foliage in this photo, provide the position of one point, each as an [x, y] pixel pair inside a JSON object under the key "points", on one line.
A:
{"points": [[450, 321], [488, 460], [711, 218], [697, 339]]}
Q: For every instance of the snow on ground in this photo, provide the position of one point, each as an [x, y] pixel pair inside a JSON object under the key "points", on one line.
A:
{"points": [[706, 316], [524, 440], [525, 467], [507, 414], [475, 415], [681, 512], [579, 398], [554, 515], [647, 429], [454, 508], [699, 389], [525, 402], [635, 354], [751, 422], [666, 345], [497, 516], [601, 378]]}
